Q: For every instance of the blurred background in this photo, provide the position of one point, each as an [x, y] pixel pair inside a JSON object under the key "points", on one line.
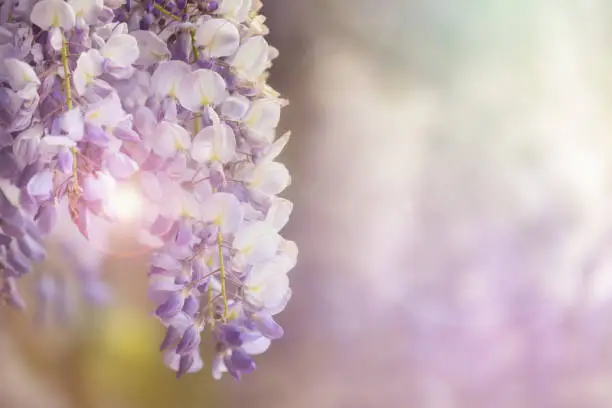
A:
{"points": [[452, 174]]}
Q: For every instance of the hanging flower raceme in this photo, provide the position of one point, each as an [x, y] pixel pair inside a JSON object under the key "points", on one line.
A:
{"points": [[170, 96]]}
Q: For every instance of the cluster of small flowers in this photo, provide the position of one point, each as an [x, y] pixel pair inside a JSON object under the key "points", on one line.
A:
{"points": [[170, 96]]}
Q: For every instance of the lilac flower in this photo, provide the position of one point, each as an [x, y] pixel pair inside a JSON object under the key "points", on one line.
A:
{"points": [[170, 96]]}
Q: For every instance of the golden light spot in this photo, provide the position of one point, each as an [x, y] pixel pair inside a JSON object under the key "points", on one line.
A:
{"points": [[125, 202]]}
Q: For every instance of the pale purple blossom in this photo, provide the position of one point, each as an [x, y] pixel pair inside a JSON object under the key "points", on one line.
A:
{"points": [[171, 97]]}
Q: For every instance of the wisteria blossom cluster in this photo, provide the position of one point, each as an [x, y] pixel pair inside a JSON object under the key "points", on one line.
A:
{"points": [[171, 97]]}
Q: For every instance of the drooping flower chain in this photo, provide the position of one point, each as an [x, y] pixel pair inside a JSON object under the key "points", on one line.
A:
{"points": [[170, 96]]}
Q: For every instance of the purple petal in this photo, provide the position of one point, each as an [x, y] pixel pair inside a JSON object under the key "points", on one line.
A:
{"points": [[31, 248], [173, 335], [171, 307], [9, 169], [191, 306], [10, 215], [266, 325], [46, 218], [230, 335], [184, 234], [197, 271], [11, 294], [161, 226], [27, 173], [96, 135], [5, 240], [27, 202], [190, 341], [127, 135], [185, 364], [120, 165], [151, 186], [238, 363], [64, 161], [153, 162], [165, 261], [17, 261], [177, 165]]}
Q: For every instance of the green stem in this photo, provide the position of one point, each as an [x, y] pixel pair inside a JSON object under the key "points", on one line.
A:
{"points": [[194, 48], [197, 119], [166, 12], [68, 94], [67, 88]]}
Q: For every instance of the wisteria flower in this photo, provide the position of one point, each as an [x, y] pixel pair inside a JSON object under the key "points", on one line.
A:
{"points": [[171, 99]]}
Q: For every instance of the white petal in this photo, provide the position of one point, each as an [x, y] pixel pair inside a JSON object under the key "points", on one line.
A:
{"points": [[72, 123], [122, 49], [266, 286], [20, 74], [151, 186], [251, 59], [235, 107], [263, 115], [89, 67], [258, 346], [218, 37], [287, 255], [162, 140], [53, 13], [224, 210], [41, 184], [168, 138], [237, 10], [190, 206], [144, 121], [26, 145], [152, 48], [257, 242], [86, 9], [279, 212], [202, 149], [214, 143], [114, 3], [201, 88], [171, 206], [276, 148], [224, 141], [167, 77], [100, 186], [107, 112], [270, 178], [56, 38]]}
